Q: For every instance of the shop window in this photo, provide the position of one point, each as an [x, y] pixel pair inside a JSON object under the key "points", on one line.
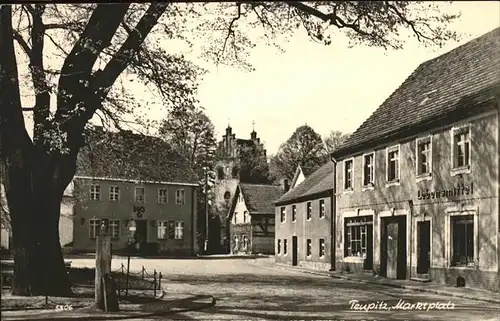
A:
{"points": [[462, 231], [356, 233]]}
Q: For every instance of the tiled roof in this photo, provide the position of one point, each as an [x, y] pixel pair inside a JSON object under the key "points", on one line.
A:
{"points": [[436, 88], [259, 198], [130, 156], [319, 181]]}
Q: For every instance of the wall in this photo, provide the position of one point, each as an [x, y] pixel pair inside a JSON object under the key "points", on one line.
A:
{"points": [[483, 203], [313, 229], [124, 210]]}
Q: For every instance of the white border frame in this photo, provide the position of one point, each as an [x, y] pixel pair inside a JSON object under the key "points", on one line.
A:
{"points": [[464, 169], [368, 187], [426, 176], [347, 190], [398, 179], [461, 211]]}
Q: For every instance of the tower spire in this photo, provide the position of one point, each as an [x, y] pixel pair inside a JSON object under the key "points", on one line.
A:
{"points": [[253, 125]]}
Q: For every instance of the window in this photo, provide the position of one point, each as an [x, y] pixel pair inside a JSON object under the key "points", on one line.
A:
{"points": [[114, 229], [93, 228], [227, 195], [114, 193], [309, 247], [139, 194], [162, 196], [95, 192], [284, 246], [393, 164], [179, 196], [294, 213], [279, 246], [246, 243], [321, 247], [282, 214], [321, 208], [462, 228], [309, 210], [179, 230], [461, 147], [348, 174], [245, 217], [356, 234], [424, 156], [235, 217], [162, 230], [369, 169]]}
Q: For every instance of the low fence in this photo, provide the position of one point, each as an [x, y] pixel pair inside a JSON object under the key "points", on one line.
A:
{"points": [[154, 285], [135, 286]]}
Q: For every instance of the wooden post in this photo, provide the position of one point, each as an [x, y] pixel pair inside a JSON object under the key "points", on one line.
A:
{"points": [[102, 269]]}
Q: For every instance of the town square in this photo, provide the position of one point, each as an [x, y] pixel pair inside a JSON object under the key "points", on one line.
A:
{"points": [[316, 160]]}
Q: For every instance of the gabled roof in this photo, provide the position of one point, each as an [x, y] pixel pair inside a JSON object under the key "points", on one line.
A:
{"points": [[457, 81], [318, 182], [126, 155], [259, 198]]}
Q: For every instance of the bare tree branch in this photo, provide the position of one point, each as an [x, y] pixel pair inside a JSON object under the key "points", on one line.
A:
{"points": [[20, 40]]}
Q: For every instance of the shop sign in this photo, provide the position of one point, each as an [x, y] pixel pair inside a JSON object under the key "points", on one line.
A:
{"points": [[459, 190]]}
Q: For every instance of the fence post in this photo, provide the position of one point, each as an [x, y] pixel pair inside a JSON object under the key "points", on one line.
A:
{"points": [[103, 267], [154, 283]]}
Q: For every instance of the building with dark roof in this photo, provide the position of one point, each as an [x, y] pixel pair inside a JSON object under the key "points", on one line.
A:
{"points": [[128, 179], [251, 219], [418, 181], [303, 221]]}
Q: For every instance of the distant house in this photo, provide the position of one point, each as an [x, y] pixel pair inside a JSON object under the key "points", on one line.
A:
{"points": [[303, 221], [251, 219], [134, 179], [300, 175]]}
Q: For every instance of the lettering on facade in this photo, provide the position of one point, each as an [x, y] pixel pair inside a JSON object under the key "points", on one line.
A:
{"points": [[459, 190], [139, 211]]}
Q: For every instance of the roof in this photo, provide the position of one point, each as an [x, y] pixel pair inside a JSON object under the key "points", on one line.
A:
{"points": [[126, 155], [318, 182], [259, 198], [436, 88]]}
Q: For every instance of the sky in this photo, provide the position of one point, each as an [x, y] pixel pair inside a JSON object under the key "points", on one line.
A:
{"points": [[326, 87]]}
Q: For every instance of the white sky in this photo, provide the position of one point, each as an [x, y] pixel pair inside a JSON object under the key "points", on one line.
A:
{"points": [[327, 87]]}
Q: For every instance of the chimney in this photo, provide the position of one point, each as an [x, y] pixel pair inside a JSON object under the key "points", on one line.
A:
{"points": [[286, 186]]}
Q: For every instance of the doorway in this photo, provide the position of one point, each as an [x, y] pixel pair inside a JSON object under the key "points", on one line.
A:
{"points": [[368, 264], [423, 247], [294, 250], [393, 247]]}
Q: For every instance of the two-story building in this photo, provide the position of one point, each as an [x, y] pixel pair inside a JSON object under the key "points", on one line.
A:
{"points": [[251, 219], [418, 182], [136, 180], [304, 221]]}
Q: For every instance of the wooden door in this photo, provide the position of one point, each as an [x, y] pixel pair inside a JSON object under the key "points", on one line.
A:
{"points": [[294, 250], [424, 247], [392, 249]]}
